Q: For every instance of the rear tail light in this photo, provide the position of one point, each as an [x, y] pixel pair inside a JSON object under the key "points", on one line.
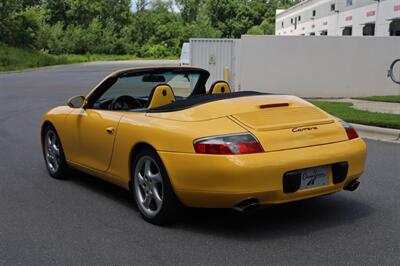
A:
{"points": [[228, 144], [350, 131]]}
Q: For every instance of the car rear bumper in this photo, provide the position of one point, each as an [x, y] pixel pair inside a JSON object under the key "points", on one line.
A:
{"points": [[219, 181]]}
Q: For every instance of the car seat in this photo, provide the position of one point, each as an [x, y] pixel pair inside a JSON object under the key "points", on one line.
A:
{"points": [[219, 87], [161, 95]]}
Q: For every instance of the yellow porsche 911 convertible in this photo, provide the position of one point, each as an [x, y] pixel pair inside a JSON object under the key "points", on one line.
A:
{"points": [[162, 135]]}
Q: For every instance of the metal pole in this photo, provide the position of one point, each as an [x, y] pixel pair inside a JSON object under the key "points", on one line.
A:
{"points": [[226, 74]]}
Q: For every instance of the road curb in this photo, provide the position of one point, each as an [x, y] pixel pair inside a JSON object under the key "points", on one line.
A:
{"points": [[378, 133], [32, 69]]}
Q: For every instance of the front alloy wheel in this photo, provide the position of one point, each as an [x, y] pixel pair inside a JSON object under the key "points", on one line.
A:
{"points": [[54, 154]]}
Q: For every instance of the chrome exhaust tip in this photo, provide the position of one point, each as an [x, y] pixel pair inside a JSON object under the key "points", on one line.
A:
{"points": [[353, 185], [247, 206]]}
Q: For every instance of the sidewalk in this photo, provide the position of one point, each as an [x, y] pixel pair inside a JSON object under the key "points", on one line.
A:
{"points": [[371, 106], [378, 133]]}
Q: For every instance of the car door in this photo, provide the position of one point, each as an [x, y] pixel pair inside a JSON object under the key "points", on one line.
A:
{"points": [[91, 137]]}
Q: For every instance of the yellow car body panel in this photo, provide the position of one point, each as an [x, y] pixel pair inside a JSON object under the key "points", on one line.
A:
{"points": [[170, 136], [224, 181], [294, 136], [90, 137]]}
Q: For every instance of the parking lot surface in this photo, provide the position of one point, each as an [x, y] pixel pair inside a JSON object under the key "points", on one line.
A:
{"points": [[86, 221]]}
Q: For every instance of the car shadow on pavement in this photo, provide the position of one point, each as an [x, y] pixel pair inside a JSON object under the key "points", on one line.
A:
{"points": [[296, 218], [102, 187]]}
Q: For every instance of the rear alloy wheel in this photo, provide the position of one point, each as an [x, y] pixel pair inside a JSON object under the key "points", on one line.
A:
{"points": [[54, 154], [152, 189]]}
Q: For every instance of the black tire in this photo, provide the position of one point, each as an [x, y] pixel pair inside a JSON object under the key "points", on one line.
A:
{"points": [[170, 208], [62, 170]]}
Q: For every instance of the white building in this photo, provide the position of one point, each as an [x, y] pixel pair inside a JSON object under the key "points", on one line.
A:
{"points": [[340, 17]]}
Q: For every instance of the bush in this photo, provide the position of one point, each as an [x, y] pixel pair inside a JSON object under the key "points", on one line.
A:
{"points": [[97, 38], [6, 59], [155, 51], [21, 58], [20, 29]]}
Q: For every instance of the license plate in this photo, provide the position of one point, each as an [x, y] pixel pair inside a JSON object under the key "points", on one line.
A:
{"points": [[314, 177]]}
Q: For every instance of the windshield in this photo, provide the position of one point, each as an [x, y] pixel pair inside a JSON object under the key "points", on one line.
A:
{"points": [[132, 89], [140, 86]]}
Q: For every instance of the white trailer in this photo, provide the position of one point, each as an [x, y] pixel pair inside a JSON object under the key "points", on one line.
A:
{"points": [[219, 56]]}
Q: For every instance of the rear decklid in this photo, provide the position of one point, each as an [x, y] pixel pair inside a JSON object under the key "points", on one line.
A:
{"points": [[283, 117], [290, 127]]}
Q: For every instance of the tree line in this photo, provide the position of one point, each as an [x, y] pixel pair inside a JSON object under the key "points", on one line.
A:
{"points": [[145, 28]]}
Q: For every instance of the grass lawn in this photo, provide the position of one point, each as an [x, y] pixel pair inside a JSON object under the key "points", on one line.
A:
{"points": [[18, 59], [389, 99], [345, 112]]}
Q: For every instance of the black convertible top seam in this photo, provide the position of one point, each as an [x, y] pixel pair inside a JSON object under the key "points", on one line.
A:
{"points": [[202, 99]]}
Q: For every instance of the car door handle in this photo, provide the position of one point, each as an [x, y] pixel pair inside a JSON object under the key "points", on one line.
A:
{"points": [[110, 130]]}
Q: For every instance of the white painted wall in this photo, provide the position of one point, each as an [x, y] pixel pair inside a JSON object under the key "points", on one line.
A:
{"points": [[319, 66]]}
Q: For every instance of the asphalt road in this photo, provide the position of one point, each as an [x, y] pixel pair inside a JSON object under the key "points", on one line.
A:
{"points": [[86, 221]]}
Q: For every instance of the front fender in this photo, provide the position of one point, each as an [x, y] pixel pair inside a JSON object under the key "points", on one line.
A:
{"points": [[55, 117]]}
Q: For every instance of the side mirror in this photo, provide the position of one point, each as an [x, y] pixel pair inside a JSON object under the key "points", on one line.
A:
{"points": [[394, 71], [76, 102]]}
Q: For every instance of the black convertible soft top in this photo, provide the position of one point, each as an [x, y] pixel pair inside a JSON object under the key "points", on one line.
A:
{"points": [[202, 99]]}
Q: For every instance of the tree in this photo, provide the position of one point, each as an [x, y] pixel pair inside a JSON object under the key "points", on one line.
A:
{"points": [[109, 26], [18, 26], [267, 26], [82, 12], [29, 3], [156, 27], [234, 17], [141, 5], [189, 9]]}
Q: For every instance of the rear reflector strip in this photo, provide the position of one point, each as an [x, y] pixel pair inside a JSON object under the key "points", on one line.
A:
{"points": [[274, 105]]}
